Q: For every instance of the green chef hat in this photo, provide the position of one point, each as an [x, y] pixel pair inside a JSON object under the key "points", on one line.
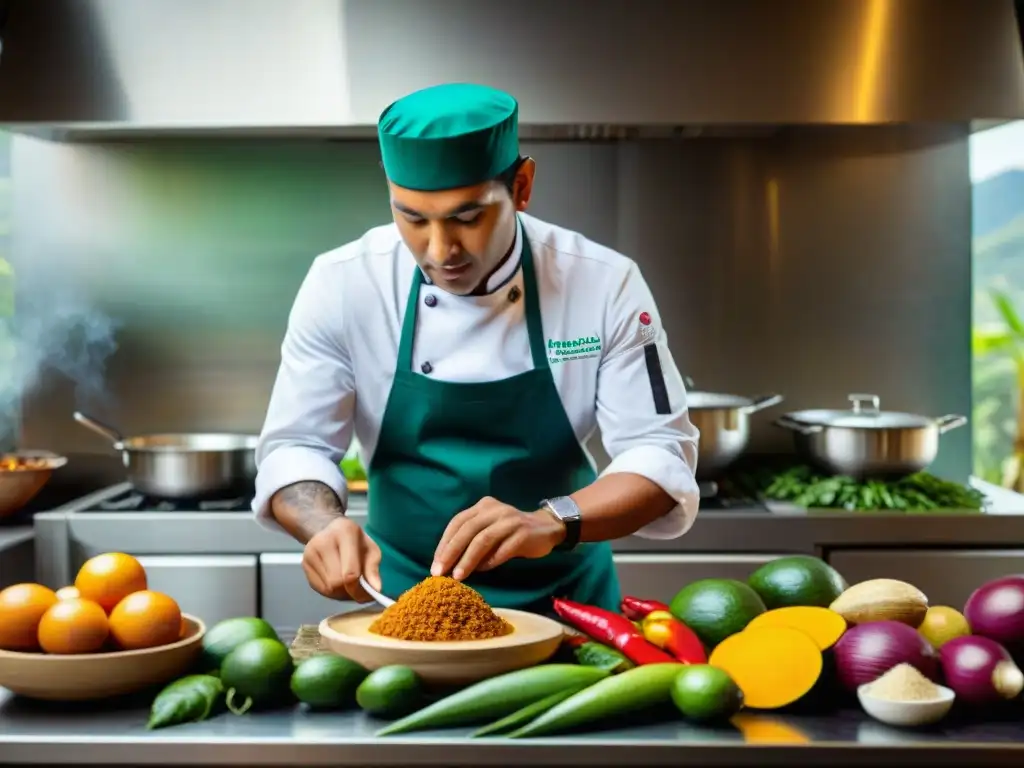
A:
{"points": [[449, 136]]}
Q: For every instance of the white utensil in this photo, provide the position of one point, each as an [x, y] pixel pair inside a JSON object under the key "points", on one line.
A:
{"points": [[377, 596]]}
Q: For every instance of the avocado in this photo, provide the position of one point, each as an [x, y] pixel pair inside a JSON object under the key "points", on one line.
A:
{"points": [[716, 608], [797, 580]]}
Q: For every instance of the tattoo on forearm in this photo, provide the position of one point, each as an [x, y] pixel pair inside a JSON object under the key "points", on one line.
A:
{"points": [[305, 508]]}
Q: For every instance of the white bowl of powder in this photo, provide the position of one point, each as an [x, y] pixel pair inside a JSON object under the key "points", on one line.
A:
{"points": [[903, 696]]}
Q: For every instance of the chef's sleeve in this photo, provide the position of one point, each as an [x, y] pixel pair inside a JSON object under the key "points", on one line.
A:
{"points": [[641, 405], [309, 421]]}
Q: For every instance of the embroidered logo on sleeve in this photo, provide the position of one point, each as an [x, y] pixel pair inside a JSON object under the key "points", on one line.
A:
{"points": [[647, 329], [566, 350]]}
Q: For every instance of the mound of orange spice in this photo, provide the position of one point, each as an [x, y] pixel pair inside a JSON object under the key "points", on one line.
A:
{"points": [[440, 608]]}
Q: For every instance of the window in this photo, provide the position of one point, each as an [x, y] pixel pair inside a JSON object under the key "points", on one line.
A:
{"points": [[997, 176], [6, 272], [8, 393]]}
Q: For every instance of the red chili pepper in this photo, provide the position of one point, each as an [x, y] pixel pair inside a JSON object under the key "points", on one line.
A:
{"points": [[664, 630], [575, 640], [611, 629], [635, 609]]}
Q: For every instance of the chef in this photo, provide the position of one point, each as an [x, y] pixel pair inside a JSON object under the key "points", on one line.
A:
{"points": [[472, 349]]}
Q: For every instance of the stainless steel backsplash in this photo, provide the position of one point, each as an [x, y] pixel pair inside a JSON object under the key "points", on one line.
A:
{"points": [[813, 262]]}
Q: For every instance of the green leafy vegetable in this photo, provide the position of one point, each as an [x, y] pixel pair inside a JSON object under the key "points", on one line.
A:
{"points": [[352, 469], [187, 700], [919, 492], [601, 656]]}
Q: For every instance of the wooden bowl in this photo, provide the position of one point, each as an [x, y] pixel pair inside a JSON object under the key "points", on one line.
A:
{"points": [[533, 640], [19, 486], [87, 676]]}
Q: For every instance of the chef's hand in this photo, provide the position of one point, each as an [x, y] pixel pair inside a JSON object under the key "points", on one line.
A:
{"points": [[336, 556], [490, 533]]}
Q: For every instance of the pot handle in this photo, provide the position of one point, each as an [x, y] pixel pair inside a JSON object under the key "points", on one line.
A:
{"points": [[804, 429], [863, 403], [100, 428], [949, 421], [761, 402]]}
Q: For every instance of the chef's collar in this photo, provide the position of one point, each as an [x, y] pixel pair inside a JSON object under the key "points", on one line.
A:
{"points": [[507, 270]]}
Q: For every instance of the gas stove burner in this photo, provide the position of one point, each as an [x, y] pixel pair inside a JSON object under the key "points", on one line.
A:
{"points": [[133, 501], [716, 495]]}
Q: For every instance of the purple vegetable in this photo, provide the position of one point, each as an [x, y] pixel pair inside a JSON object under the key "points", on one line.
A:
{"points": [[867, 651], [996, 610], [980, 670]]}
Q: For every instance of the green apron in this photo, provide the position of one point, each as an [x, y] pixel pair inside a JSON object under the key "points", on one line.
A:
{"points": [[444, 446]]}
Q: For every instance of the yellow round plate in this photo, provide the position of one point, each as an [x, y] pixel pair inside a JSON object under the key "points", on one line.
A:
{"points": [[533, 640]]}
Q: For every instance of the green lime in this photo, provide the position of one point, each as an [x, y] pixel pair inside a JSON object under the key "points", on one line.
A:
{"points": [[392, 691], [327, 681], [224, 636], [703, 692], [257, 674]]}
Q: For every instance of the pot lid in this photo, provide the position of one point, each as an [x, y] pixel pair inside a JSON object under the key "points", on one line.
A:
{"points": [[696, 400], [865, 414], [707, 400]]}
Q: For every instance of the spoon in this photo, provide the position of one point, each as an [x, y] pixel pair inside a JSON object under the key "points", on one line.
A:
{"points": [[377, 596]]}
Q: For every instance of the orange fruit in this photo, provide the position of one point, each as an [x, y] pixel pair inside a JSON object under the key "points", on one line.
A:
{"points": [[73, 626], [109, 578], [21, 608], [68, 593], [145, 619]]}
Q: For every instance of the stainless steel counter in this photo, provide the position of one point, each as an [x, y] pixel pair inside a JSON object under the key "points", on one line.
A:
{"points": [[781, 530], [14, 536], [34, 733], [950, 552], [17, 554]]}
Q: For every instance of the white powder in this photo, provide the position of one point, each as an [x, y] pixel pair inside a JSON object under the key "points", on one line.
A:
{"points": [[904, 683]]}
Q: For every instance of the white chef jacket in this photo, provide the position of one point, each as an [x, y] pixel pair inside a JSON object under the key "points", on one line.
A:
{"points": [[339, 355]]}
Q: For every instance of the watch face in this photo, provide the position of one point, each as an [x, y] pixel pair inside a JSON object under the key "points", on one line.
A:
{"points": [[570, 510]]}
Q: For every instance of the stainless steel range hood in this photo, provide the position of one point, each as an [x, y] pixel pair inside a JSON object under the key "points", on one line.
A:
{"points": [[79, 69]]}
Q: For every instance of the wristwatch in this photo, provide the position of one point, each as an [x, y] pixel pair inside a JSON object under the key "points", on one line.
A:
{"points": [[566, 510]]}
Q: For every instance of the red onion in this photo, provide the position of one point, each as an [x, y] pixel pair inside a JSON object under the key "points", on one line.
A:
{"points": [[979, 670], [996, 610], [867, 651]]}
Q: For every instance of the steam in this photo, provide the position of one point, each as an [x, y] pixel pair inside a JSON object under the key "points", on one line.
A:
{"points": [[53, 329]]}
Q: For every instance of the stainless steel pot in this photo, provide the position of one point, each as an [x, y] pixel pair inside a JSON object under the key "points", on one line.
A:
{"points": [[189, 465], [724, 424], [866, 441]]}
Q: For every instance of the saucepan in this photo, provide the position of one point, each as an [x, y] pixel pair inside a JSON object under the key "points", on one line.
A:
{"points": [[183, 465], [724, 424], [867, 441]]}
